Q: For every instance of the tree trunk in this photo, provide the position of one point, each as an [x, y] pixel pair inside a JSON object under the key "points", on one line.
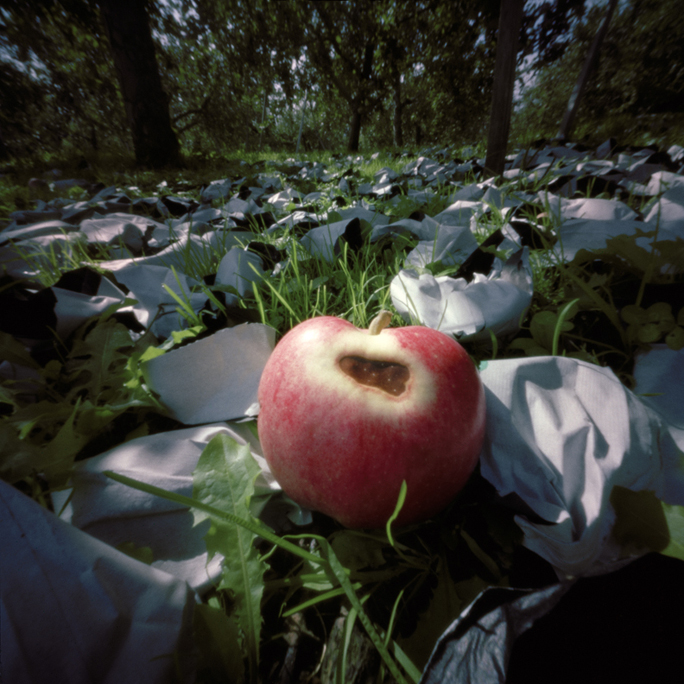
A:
{"points": [[354, 132], [398, 109], [301, 121], [504, 79], [589, 66], [360, 102], [147, 107], [263, 118]]}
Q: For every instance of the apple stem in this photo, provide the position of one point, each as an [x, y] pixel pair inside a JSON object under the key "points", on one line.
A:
{"points": [[380, 322]]}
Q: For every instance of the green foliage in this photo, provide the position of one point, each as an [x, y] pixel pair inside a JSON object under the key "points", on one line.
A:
{"points": [[61, 81], [644, 523], [237, 75], [635, 94], [647, 326], [69, 402], [354, 565], [224, 478]]}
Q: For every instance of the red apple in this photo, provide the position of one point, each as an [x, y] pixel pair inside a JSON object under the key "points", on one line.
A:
{"points": [[348, 414]]}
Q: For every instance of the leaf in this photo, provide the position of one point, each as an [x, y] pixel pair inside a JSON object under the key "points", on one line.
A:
{"points": [[648, 333], [224, 477], [218, 639], [18, 458], [98, 360], [40, 437], [675, 524], [15, 352], [7, 397], [529, 346], [640, 521], [543, 327], [188, 333], [357, 551], [675, 338], [58, 455], [633, 314], [660, 314], [480, 554], [336, 571], [445, 606]]}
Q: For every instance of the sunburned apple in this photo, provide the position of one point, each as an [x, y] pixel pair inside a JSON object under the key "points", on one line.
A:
{"points": [[348, 414]]}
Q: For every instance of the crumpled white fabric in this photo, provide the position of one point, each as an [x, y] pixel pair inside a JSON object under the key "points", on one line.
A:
{"points": [[74, 609], [586, 208], [436, 242], [494, 302], [561, 433], [215, 378]]}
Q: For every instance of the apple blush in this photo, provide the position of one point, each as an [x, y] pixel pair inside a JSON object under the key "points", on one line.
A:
{"points": [[347, 415]]}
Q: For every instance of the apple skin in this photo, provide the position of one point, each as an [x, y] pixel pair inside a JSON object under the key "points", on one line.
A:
{"points": [[343, 448]]}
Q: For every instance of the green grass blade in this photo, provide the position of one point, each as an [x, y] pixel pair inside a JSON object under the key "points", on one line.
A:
{"points": [[397, 509], [559, 323], [336, 569], [253, 526]]}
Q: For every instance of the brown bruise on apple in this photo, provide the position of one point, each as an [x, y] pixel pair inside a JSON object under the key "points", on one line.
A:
{"points": [[387, 376]]}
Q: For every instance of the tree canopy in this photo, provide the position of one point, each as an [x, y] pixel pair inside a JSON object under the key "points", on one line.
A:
{"points": [[378, 73]]}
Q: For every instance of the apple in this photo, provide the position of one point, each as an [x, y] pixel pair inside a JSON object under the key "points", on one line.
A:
{"points": [[347, 414]]}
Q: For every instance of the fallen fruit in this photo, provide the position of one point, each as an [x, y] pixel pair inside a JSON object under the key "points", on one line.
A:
{"points": [[347, 414]]}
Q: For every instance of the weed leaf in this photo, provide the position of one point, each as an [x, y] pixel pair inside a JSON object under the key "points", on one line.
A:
{"points": [[224, 478]]}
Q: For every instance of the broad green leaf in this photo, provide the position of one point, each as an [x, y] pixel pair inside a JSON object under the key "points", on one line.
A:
{"points": [[180, 335], [543, 327], [649, 332], [218, 639], [640, 522], [151, 353], [626, 247], [675, 524], [633, 314], [661, 315], [529, 346], [356, 550], [675, 338], [224, 478], [445, 606], [657, 311]]}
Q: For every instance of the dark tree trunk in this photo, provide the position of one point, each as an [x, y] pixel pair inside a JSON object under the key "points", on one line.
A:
{"points": [[398, 109], [504, 79], [147, 107], [4, 149], [589, 66], [354, 132], [360, 102]]}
